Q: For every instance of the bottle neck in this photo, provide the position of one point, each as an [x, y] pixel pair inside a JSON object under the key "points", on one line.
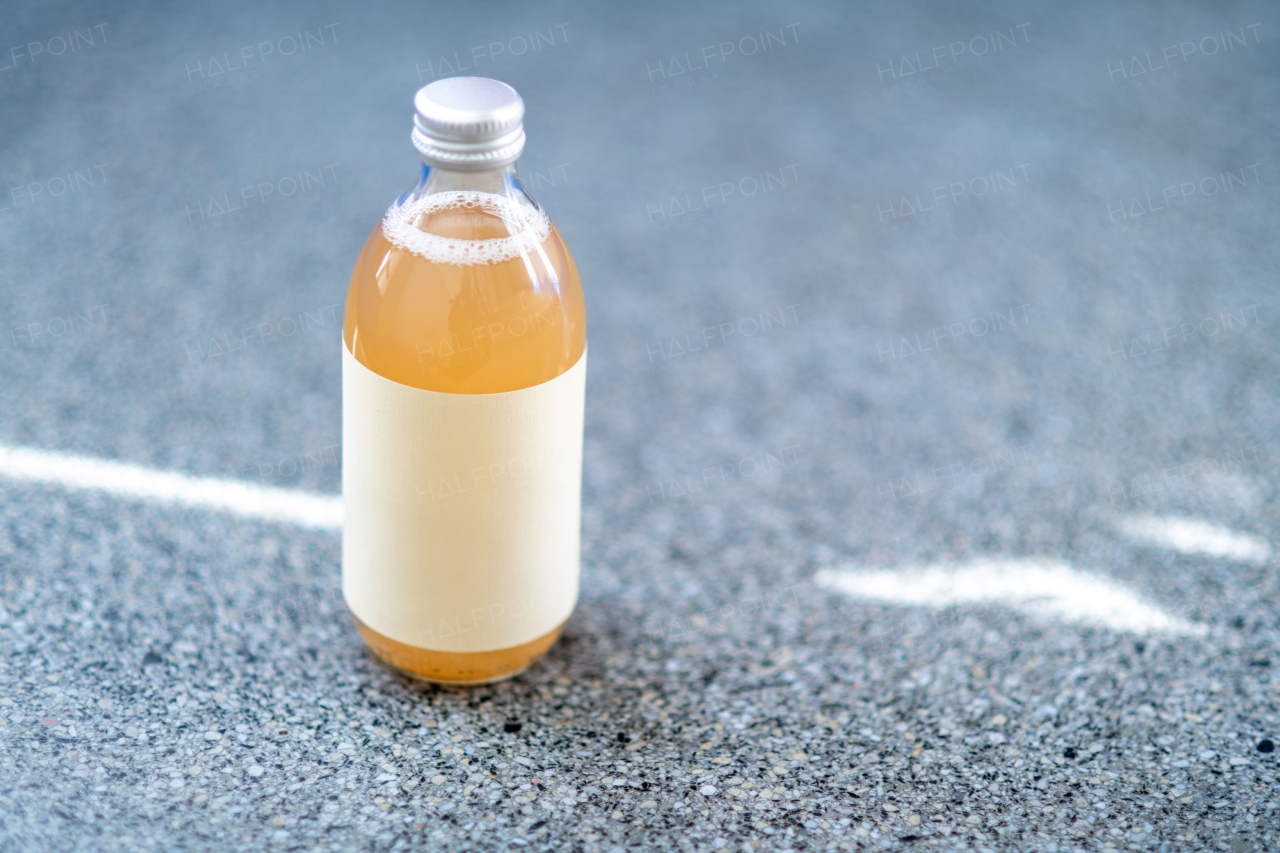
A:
{"points": [[503, 181], [508, 201]]}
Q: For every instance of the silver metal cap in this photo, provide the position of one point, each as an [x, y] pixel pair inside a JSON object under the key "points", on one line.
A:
{"points": [[468, 124]]}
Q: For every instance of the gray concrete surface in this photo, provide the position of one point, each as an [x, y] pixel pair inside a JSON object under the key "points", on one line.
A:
{"points": [[173, 679]]}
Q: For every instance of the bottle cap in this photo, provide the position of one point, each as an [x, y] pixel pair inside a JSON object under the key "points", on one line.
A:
{"points": [[468, 124]]}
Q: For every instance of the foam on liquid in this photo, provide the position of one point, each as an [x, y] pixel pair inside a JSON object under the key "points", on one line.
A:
{"points": [[399, 229]]}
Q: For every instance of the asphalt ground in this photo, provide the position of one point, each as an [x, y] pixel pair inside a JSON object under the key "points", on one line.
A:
{"points": [[982, 291]]}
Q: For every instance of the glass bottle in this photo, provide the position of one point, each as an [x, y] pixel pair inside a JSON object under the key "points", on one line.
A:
{"points": [[463, 386]]}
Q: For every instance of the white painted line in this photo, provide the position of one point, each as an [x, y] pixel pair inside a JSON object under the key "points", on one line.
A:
{"points": [[1196, 537], [306, 509], [1047, 589]]}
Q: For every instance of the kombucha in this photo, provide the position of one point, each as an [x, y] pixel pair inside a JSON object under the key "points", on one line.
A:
{"points": [[465, 288], [475, 329]]}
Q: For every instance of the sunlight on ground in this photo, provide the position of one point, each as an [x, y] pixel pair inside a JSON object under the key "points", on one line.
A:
{"points": [[1047, 589], [1195, 537]]}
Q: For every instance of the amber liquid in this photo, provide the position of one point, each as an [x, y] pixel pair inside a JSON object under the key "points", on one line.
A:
{"points": [[476, 329]]}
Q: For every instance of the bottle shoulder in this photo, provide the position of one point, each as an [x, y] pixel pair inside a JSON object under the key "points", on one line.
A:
{"points": [[445, 324]]}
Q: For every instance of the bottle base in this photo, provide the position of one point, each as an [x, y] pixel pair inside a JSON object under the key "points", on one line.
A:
{"points": [[457, 668]]}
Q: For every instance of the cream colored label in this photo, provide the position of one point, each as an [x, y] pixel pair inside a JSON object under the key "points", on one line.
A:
{"points": [[462, 511]]}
